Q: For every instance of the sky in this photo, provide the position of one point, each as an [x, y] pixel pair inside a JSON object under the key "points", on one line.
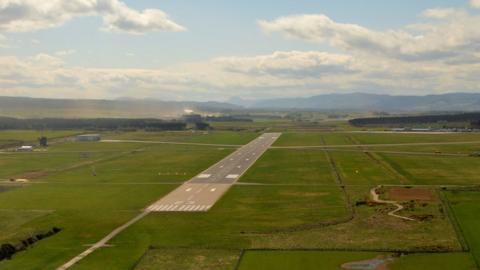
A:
{"points": [[217, 50]]}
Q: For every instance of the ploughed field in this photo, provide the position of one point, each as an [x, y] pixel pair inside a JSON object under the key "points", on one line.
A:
{"points": [[304, 204]]}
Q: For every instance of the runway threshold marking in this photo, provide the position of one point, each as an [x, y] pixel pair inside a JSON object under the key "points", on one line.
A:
{"points": [[212, 183]]}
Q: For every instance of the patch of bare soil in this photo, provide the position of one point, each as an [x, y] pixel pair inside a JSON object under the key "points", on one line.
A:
{"points": [[31, 175], [408, 194]]}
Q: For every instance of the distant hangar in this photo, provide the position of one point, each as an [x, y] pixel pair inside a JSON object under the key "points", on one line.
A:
{"points": [[88, 138]]}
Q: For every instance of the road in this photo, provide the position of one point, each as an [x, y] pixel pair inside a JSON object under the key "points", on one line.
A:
{"points": [[203, 190], [200, 192]]}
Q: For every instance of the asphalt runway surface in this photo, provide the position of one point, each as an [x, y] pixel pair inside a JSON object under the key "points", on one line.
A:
{"points": [[202, 191]]}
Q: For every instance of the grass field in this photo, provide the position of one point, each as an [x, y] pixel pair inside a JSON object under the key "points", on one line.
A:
{"points": [[341, 138], [188, 259], [214, 137], [291, 167], [290, 199], [33, 135], [466, 206], [330, 260]]}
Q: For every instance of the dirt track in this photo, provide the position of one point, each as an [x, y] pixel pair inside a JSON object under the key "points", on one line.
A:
{"points": [[375, 198]]}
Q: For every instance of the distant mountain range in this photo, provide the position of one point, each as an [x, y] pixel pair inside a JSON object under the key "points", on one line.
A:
{"points": [[90, 108], [142, 108], [369, 102]]}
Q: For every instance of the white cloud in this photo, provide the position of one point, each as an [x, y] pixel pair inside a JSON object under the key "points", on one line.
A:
{"points": [[289, 64], [475, 3], [31, 15], [290, 73], [443, 13], [444, 45], [451, 33]]}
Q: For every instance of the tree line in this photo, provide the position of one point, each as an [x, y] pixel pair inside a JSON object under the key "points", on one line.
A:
{"points": [[473, 118], [95, 123]]}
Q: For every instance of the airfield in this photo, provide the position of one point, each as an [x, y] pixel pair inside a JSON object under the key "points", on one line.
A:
{"points": [[269, 196]]}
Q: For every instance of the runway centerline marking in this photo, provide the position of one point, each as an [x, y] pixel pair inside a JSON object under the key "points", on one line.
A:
{"points": [[205, 189]]}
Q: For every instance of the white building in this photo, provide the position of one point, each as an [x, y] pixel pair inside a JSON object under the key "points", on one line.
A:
{"points": [[89, 138], [25, 148]]}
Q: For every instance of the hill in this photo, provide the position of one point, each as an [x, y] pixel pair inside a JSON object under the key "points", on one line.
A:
{"points": [[90, 108], [371, 102]]}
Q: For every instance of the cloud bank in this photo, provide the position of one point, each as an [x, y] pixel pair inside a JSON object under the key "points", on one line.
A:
{"points": [[32, 15], [444, 33], [439, 53]]}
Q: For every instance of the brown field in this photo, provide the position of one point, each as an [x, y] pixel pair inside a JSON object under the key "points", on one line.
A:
{"points": [[408, 194]]}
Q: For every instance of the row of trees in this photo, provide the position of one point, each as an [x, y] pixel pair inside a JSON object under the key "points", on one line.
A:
{"points": [[97, 123], [473, 118], [7, 250]]}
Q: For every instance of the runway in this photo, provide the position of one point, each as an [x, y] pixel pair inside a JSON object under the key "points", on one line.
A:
{"points": [[201, 192]]}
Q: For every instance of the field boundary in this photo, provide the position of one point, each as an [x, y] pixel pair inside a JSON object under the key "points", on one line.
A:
{"points": [[137, 262], [453, 220]]}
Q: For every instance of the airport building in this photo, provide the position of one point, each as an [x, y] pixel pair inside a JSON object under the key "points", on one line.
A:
{"points": [[25, 148], [89, 138]]}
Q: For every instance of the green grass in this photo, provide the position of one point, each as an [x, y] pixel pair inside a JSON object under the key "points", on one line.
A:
{"points": [[283, 166], [297, 206], [151, 164], [10, 220], [436, 170], [189, 259], [330, 260], [357, 168], [311, 138], [339, 138], [85, 213], [214, 137], [245, 218], [388, 138], [33, 135], [466, 206]]}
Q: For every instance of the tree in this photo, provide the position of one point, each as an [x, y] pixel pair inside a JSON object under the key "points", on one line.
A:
{"points": [[43, 141], [202, 125], [6, 251]]}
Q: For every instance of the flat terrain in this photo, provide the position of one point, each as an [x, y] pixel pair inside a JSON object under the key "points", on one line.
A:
{"points": [[202, 191], [294, 208], [329, 260]]}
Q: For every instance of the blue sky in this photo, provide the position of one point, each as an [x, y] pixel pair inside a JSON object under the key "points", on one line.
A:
{"points": [[224, 39]]}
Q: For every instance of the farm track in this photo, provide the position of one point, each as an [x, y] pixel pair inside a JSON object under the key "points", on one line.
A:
{"points": [[375, 198]]}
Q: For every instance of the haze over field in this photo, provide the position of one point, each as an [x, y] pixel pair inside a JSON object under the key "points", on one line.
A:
{"points": [[219, 50]]}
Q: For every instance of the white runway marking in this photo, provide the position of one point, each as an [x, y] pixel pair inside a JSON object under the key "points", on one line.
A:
{"points": [[188, 189], [213, 189], [203, 175], [232, 176]]}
